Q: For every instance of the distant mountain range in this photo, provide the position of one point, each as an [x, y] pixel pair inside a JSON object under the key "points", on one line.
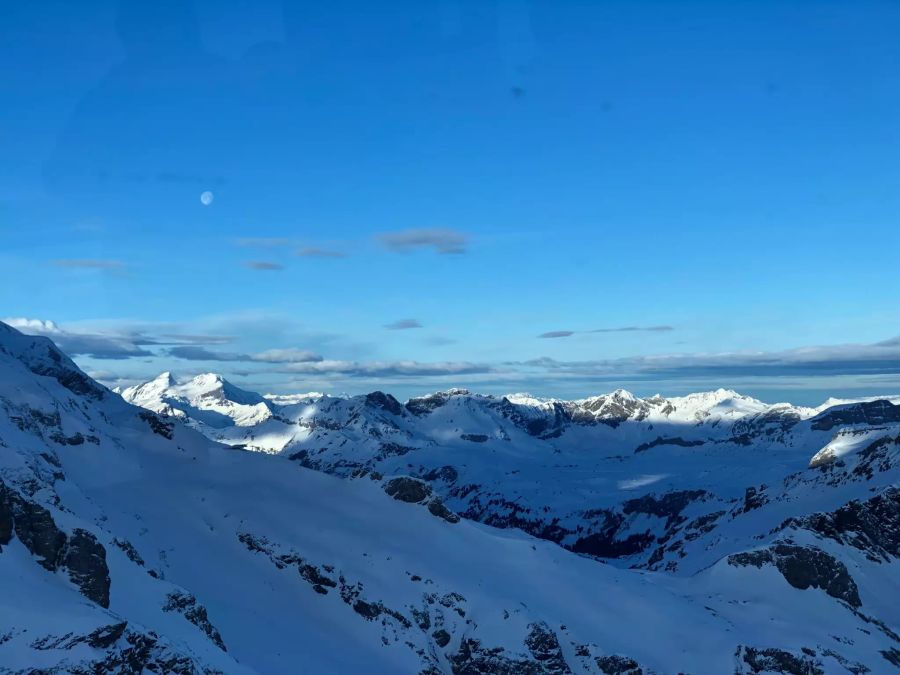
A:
{"points": [[453, 533]]}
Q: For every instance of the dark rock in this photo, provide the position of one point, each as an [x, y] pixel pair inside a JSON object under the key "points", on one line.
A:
{"points": [[615, 664], [872, 526], [441, 638], [392, 450], [772, 660], [754, 498], [659, 440], [406, 489], [425, 404], [473, 659], [668, 506], [544, 646], [868, 412], [65, 372], [187, 605], [604, 544], [446, 474], [892, 656], [35, 527], [474, 438], [107, 636], [385, 401], [804, 567], [157, 424], [436, 508], [130, 551], [85, 559], [6, 515]]}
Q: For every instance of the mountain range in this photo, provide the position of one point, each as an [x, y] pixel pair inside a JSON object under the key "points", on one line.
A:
{"points": [[194, 527]]}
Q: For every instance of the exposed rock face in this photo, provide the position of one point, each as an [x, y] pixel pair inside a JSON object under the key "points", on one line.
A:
{"points": [[770, 660], [85, 559], [872, 526], [804, 567], [406, 489], [870, 412], [159, 426], [80, 553], [546, 656], [50, 362], [426, 404], [6, 516], [659, 440], [474, 659], [34, 526], [544, 646], [616, 664], [187, 605], [385, 401], [125, 651], [437, 508]]}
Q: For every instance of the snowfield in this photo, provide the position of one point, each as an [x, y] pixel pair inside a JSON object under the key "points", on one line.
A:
{"points": [[217, 530]]}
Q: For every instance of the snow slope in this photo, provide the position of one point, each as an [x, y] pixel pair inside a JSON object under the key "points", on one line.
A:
{"points": [[131, 543]]}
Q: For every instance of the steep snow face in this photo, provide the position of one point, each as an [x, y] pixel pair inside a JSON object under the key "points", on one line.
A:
{"points": [[131, 543]]}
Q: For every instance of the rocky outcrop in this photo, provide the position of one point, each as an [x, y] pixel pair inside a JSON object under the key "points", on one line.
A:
{"points": [[869, 412], [546, 657], [80, 554], [616, 664], [544, 647], [36, 529], [117, 650], [753, 660], [659, 440], [872, 526], [386, 402], [406, 489], [85, 560], [804, 567], [187, 605], [158, 425], [415, 491]]}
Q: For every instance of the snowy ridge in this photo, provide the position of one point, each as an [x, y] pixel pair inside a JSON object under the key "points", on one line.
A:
{"points": [[122, 533]]}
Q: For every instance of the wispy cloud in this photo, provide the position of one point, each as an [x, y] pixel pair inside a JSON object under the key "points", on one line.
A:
{"points": [[98, 346], [403, 324], [287, 356], [829, 360], [196, 353], [122, 343], [92, 264], [623, 329], [444, 241], [263, 266], [316, 252], [389, 368]]}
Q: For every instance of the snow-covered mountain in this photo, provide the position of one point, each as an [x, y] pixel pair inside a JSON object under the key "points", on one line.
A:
{"points": [[131, 543], [613, 476]]}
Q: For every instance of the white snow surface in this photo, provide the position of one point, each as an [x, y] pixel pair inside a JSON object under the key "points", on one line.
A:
{"points": [[301, 571]]}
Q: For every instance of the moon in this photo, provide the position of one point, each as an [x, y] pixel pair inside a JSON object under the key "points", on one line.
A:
{"points": [[206, 198]]}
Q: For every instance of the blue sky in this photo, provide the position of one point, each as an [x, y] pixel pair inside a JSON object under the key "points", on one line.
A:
{"points": [[410, 194]]}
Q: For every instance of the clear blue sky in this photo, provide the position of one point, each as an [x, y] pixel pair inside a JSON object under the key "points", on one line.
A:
{"points": [[727, 173]]}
